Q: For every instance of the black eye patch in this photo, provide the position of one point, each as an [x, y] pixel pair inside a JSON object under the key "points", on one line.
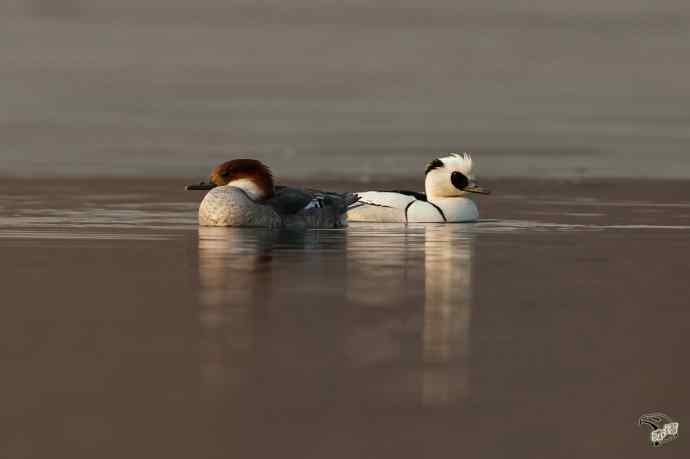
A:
{"points": [[225, 173], [459, 180]]}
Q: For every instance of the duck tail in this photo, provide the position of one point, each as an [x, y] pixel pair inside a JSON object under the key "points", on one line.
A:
{"points": [[328, 210], [351, 199]]}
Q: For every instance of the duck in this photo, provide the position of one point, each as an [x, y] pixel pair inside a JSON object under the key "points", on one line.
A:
{"points": [[448, 181], [241, 192]]}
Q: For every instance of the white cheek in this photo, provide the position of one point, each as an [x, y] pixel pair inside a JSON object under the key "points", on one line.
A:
{"points": [[438, 184], [452, 190], [249, 187]]}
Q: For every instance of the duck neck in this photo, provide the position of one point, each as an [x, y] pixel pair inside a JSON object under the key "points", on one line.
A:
{"points": [[432, 188], [256, 188]]}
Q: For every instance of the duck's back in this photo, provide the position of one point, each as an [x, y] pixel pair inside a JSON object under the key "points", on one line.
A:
{"points": [[288, 200], [312, 208], [381, 207]]}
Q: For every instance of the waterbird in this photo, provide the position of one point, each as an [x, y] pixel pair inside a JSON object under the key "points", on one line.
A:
{"points": [[448, 181], [241, 192]]}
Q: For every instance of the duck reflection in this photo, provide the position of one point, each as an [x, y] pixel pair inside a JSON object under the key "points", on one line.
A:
{"points": [[398, 269], [447, 313], [227, 330], [236, 275], [374, 312]]}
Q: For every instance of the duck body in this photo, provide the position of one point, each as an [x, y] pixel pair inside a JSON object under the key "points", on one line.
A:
{"points": [[288, 208], [241, 193], [447, 182], [411, 207]]}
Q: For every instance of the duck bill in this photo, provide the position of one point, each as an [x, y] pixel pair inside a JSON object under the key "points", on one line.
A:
{"points": [[474, 187], [200, 186]]}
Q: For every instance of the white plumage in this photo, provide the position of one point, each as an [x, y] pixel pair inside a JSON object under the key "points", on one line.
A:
{"points": [[447, 182]]}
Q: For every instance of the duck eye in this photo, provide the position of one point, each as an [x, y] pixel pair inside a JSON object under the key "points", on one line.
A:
{"points": [[225, 173], [459, 180]]}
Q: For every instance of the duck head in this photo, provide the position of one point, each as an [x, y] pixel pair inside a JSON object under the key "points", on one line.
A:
{"points": [[451, 177], [251, 176]]}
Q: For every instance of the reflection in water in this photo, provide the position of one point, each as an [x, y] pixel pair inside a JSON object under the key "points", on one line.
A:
{"points": [[228, 257], [237, 281], [227, 331], [430, 265], [384, 310], [447, 311]]}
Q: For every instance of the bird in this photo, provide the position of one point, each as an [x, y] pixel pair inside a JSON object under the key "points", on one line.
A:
{"points": [[663, 429], [241, 192], [447, 182]]}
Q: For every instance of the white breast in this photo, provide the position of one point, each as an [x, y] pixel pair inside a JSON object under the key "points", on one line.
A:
{"points": [[458, 210], [424, 212]]}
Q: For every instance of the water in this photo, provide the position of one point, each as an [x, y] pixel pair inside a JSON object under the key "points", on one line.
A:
{"points": [[344, 89], [549, 326], [129, 331]]}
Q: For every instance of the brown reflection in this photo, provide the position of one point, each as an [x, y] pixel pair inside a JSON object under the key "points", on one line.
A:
{"points": [[242, 293], [231, 262], [447, 313]]}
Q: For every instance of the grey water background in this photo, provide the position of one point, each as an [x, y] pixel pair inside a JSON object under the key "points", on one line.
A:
{"points": [[354, 89]]}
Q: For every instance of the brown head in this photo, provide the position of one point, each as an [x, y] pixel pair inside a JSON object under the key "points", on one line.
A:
{"points": [[250, 175]]}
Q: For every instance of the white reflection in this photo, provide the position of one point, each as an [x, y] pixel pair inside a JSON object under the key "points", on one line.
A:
{"points": [[392, 271], [447, 313]]}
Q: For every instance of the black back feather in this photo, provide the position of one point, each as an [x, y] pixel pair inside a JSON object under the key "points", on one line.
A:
{"points": [[415, 194]]}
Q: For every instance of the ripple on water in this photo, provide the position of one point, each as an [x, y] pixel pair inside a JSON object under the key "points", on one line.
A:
{"points": [[501, 226], [72, 235], [115, 217], [596, 202]]}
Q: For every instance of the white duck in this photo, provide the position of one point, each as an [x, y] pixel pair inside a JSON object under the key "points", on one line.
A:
{"points": [[448, 180], [242, 193]]}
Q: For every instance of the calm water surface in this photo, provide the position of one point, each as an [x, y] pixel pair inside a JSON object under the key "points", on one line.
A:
{"points": [[543, 331]]}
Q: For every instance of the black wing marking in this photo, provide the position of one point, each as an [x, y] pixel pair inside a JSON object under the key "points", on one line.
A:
{"points": [[415, 194], [369, 203]]}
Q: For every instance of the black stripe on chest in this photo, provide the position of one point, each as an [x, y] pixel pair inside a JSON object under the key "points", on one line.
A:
{"points": [[407, 207], [440, 211]]}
